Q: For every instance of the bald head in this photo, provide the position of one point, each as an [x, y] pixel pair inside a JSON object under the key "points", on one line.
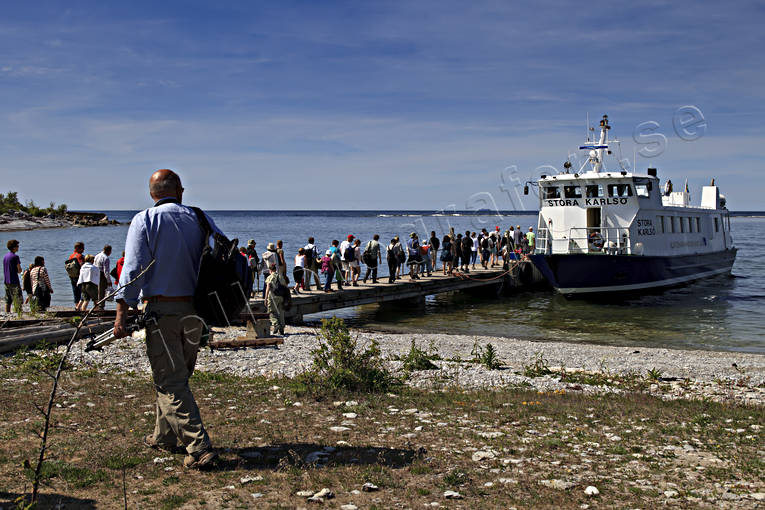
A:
{"points": [[165, 184]]}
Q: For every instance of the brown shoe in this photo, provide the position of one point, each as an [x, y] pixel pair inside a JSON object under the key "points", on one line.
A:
{"points": [[200, 460], [150, 442]]}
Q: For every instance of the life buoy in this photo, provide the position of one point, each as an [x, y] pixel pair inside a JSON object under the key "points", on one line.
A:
{"points": [[596, 240]]}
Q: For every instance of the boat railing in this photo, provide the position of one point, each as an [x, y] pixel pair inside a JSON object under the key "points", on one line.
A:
{"points": [[591, 240]]}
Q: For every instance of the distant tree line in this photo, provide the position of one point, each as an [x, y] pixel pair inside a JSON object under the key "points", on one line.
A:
{"points": [[10, 202]]}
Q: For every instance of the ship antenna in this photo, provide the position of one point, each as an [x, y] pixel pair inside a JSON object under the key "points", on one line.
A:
{"points": [[587, 127]]}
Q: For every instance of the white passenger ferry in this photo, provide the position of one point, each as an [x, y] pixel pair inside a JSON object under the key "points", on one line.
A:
{"points": [[604, 230]]}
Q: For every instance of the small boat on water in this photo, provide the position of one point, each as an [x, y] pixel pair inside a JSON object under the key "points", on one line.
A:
{"points": [[608, 231]]}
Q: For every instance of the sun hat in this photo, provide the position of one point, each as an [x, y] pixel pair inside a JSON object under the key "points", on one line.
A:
{"points": [[413, 235], [251, 242], [271, 247]]}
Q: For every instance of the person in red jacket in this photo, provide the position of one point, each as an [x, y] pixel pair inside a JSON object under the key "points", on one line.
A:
{"points": [[79, 249], [118, 268]]}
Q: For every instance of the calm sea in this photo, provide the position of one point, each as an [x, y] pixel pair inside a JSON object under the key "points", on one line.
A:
{"points": [[724, 313]]}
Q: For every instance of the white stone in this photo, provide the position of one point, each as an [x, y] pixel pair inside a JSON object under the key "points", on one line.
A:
{"points": [[249, 479], [350, 416], [557, 484], [491, 435], [339, 429], [304, 494], [489, 484], [452, 495], [162, 460], [670, 494], [257, 495], [758, 496], [343, 443], [483, 455], [410, 411], [591, 490], [351, 403], [348, 507], [324, 493]]}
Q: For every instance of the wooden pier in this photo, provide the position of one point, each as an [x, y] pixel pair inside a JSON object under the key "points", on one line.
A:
{"points": [[518, 275]]}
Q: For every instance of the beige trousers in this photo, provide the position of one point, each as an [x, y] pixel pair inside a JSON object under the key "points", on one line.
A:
{"points": [[275, 308], [172, 343]]}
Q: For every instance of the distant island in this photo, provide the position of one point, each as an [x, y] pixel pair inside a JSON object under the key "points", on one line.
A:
{"points": [[17, 216]]}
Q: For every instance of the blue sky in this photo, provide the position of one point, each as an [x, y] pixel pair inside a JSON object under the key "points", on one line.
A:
{"points": [[351, 105]]}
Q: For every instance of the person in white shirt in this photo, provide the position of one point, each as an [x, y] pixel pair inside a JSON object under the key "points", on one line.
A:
{"points": [[312, 265], [299, 271], [102, 262], [88, 283], [269, 257], [345, 254]]}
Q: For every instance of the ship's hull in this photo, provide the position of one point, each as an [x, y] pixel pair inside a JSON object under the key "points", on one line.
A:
{"points": [[581, 274]]}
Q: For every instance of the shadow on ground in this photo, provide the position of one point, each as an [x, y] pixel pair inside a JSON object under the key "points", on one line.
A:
{"points": [[315, 455], [9, 500]]}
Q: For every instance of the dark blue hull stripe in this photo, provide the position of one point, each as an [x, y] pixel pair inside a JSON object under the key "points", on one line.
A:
{"points": [[581, 274]]}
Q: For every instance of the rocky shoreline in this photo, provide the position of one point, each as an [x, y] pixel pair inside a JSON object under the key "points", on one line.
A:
{"points": [[592, 369], [19, 220]]}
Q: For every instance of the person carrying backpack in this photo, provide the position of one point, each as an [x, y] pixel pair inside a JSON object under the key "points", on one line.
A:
{"points": [[392, 256], [312, 264], [347, 254], [372, 258], [41, 287], [72, 266], [26, 282], [277, 294], [413, 250], [174, 238]]}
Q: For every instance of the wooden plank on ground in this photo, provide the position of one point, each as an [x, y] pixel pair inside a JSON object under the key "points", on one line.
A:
{"points": [[246, 342]]}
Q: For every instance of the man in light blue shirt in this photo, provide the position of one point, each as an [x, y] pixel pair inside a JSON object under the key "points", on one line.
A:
{"points": [[170, 234]]}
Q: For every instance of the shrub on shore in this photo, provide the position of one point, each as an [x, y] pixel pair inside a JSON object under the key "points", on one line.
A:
{"points": [[10, 202], [340, 365]]}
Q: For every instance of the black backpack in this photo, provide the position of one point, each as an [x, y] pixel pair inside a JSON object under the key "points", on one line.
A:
{"points": [[220, 296], [350, 254]]}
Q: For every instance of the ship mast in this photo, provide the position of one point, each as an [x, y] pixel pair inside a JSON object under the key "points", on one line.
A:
{"points": [[597, 164], [596, 149]]}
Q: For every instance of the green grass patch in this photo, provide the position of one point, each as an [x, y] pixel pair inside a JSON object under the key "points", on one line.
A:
{"points": [[173, 501], [77, 477]]}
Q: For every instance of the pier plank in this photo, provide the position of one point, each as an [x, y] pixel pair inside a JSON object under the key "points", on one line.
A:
{"points": [[315, 301]]}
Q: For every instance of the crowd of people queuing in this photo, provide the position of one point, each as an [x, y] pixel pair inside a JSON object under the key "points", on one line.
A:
{"points": [[341, 263], [92, 277]]}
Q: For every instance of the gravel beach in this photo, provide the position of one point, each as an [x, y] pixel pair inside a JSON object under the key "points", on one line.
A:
{"points": [[718, 376]]}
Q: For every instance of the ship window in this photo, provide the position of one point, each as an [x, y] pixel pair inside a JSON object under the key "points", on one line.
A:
{"points": [[682, 224], [717, 224], [641, 190], [594, 191], [552, 192], [572, 191], [619, 190], [690, 224], [660, 221], [698, 224], [672, 224]]}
